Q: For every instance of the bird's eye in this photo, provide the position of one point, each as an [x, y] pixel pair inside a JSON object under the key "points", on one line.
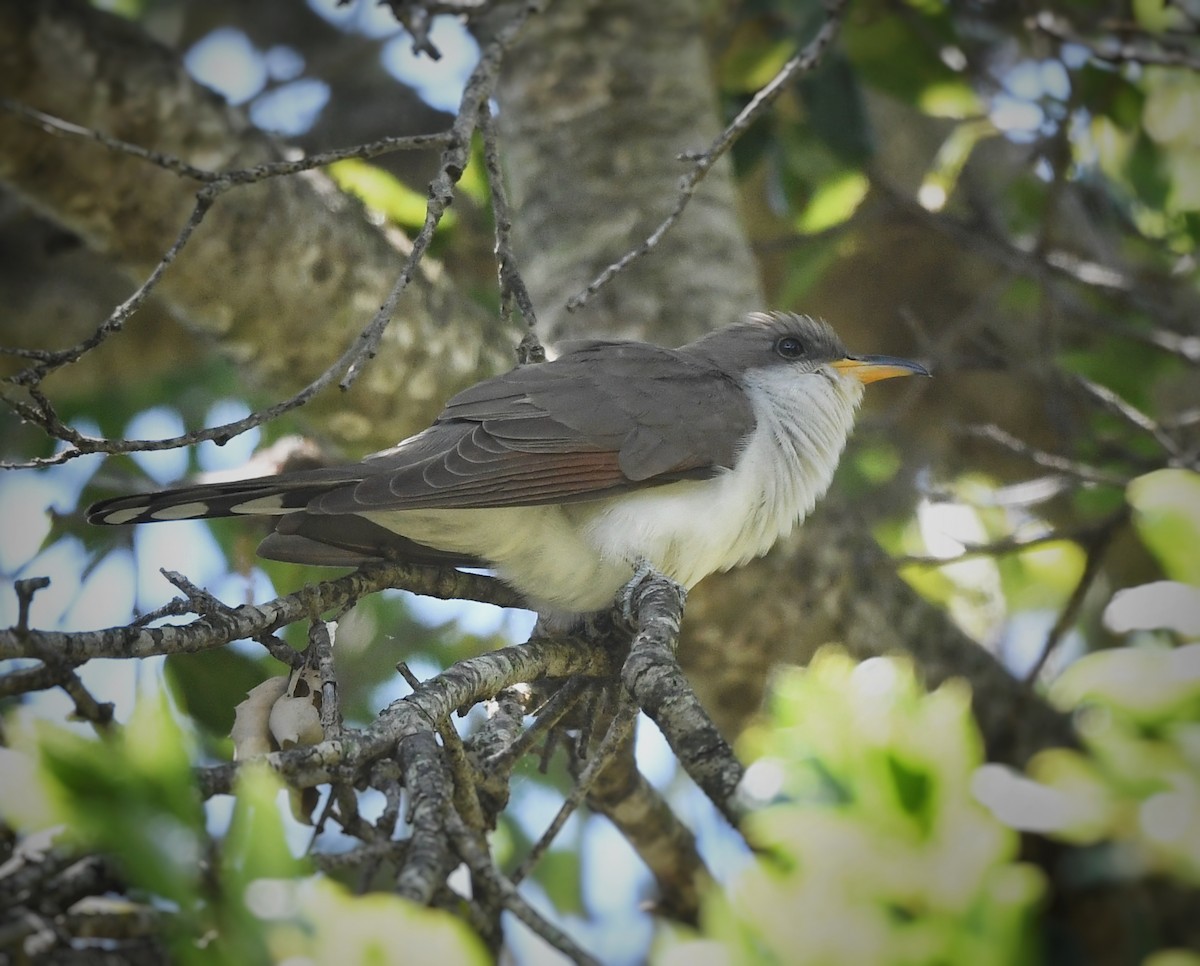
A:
{"points": [[789, 347]]}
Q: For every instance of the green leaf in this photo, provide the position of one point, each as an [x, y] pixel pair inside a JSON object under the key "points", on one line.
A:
{"points": [[131, 793], [1172, 957], [1159, 16], [906, 866], [752, 56], [1161, 605], [1148, 684], [836, 113], [210, 684], [943, 174], [1043, 576], [1127, 368], [914, 789], [256, 846], [893, 53], [334, 926], [1166, 513], [255, 863], [558, 872], [877, 463], [384, 192], [806, 266], [950, 99], [834, 201], [1172, 102]]}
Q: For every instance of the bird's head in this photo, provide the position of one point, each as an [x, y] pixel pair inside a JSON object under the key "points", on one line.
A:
{"points": [[799, 345]]}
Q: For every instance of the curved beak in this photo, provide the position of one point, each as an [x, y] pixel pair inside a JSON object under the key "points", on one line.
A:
{"points": [[873, 368]]}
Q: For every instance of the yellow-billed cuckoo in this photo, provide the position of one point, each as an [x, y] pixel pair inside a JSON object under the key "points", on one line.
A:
{"points": [[563, 476]]}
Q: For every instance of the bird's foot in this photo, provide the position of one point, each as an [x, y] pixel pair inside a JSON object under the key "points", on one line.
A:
{"points": [[646, 577]]}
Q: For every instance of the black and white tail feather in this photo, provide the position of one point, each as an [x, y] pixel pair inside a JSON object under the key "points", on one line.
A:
{"points": [[345, 540]]}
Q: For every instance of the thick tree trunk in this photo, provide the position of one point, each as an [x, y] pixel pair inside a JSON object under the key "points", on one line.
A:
{"points": [[597, 103]]}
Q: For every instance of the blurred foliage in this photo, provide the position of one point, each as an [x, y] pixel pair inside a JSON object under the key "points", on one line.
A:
{"points": [[330, 925], [384, 193], [240, 896], [109, 791], [873, 848], [130, 794], [1136, 787], [1166, 513]]}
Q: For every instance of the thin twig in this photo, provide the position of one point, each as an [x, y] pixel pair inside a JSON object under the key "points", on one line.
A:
{"points": [[120, 315], [1114, 51], [512, 285], [281, 650], [429, 795], [320, 646], [349, 364], [801, 63], [1128, 412], [619, 731], [239, 176], [995, 548], [80, 444], [200, 601], [59, 126], [479, 87], [461, 771], [25, 589], [480, 863], [1096, 548], [1080, 471], [175, 607], [87, 708], [564, 699]]}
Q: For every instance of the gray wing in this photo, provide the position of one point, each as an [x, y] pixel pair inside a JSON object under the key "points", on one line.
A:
{"points": [[603, 418]]}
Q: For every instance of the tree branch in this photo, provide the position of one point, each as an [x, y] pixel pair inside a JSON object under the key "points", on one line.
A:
{"points": [[250, 621], [279, 324], [800, 63], [654, 678]]}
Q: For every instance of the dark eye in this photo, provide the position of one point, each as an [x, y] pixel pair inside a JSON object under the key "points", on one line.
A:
{"points": [[790, 347]]}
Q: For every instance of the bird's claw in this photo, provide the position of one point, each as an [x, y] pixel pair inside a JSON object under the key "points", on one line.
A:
{"points": [[628, 602]]}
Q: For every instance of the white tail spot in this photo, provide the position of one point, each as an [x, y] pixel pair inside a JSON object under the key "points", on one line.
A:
{"points": [[118, 517], [181, 511]]}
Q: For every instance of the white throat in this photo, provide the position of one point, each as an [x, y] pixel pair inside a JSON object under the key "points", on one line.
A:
{"points": [[802, 425]]}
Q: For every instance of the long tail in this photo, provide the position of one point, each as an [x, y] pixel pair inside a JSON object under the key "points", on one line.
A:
{"points": [[264, 496]]}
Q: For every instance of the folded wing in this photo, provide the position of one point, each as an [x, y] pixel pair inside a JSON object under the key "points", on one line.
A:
{"points": [[603, 418]]}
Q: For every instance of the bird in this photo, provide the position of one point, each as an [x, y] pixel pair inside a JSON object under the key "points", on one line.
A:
{"points": [[566, 476]]}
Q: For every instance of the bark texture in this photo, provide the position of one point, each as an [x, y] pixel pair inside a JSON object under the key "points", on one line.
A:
{"points": [[280, 275], [599, 100]]}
